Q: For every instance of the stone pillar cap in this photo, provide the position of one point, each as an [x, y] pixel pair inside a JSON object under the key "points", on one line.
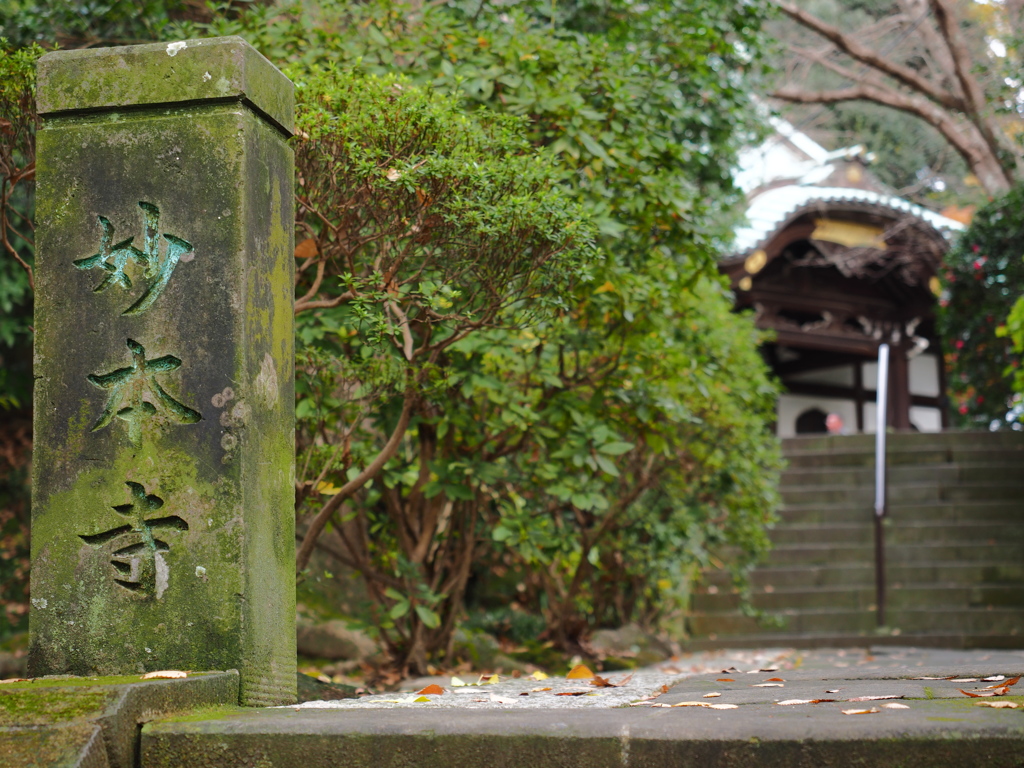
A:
{"points": [[165, 74]]}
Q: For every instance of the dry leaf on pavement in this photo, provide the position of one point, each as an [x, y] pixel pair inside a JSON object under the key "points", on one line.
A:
{"points": [[894, 705], [601, 682], [871, 711], [711, 695], [431, 690], [580, 672], [877, 698], [768, 685], [997, 704]]}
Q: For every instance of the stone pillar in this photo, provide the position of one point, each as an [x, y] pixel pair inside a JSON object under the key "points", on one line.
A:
{"points": [[163, 471]]}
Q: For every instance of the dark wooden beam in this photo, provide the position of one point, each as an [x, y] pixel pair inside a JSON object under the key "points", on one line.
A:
{"points": [[850, 393]]}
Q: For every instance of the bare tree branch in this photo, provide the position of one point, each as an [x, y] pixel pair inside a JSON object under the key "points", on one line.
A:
{"points": [[853, 48]]}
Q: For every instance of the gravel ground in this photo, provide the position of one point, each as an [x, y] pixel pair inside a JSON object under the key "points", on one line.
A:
{"points": [[529, 693]]}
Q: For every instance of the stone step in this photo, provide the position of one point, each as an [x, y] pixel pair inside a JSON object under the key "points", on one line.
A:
{"points": [[1007, 489], [944, 473], [903, 532], [966, 551], [998, 621], [943, 639], [908, 596], [904, 442], [936, 512], [863, 575], [851, 455]]}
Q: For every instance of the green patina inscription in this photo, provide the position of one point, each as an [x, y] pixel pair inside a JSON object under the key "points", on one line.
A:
{"points": [[156, 268], [128, 388], [139, 564]]}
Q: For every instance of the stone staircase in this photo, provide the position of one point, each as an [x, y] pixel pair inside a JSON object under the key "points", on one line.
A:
{"points": [[954, 549]]}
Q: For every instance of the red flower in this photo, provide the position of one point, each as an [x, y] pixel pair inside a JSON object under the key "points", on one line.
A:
{"points": [[963, 409], [980, 400], [959, 343]]}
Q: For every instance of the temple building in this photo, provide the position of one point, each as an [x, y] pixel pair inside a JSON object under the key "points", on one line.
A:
{"points": [[835, 264]]}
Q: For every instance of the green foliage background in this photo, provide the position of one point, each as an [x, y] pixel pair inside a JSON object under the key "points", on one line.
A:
{"points": [[983, 278], [602, 450]]}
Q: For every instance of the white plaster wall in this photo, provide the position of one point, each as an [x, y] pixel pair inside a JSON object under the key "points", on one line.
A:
{"points": [[925, 419], [924, 375], [791, 406]]}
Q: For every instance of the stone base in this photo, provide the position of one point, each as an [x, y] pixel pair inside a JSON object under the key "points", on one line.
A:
{"points": [[94, 722]]}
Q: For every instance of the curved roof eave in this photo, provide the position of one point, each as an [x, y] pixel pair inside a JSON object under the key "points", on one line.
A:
{"points": [[770, 211]]}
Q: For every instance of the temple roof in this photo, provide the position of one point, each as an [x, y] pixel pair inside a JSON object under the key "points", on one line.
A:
{"points": [[789, 175]]}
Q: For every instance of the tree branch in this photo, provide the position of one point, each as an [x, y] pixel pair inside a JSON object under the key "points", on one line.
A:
{"points": [[853, 48], [318, 523], [974, 149]]}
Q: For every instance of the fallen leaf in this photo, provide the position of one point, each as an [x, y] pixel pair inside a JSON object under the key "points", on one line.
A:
{"points": [[306, 249], [165, 674], [600, 682], [1007, 684], [14, 680], [768, 685], [711, 695], [538, 675], [976, 694], [775, 679], [420, 699], [431, 690], [805, 701], [834, 690], [658, 704], [995, 679], [929, 678], [664, 688], [672, 670], [572, 693], [538, 690], [643, 704], [492, 680], [871, 711], [579, 672], [525, 693], [770, 669], [997, 704], [729, 671], [877, 698], [457, 683], [725, 680], [500, 700], [962, 679], [894, 705], [690, 704], [723, 706]]}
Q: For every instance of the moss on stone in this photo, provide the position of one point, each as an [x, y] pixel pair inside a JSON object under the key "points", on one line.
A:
{"points": [[52, 705]]}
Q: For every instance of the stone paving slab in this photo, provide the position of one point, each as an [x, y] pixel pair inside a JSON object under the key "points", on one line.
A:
{"points": [[93, 722], [622, 728]]}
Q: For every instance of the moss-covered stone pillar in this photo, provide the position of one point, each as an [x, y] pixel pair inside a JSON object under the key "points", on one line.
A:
{"points": [[162, 521]]}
